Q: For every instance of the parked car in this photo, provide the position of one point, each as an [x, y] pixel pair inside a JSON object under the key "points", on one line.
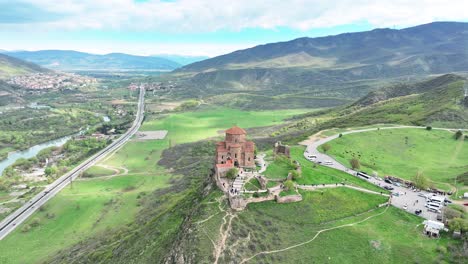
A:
{"points": [[418, 212], [422, 195], [328, 163], [395, 194], [447, 201], [397, 184], [387, 187], [405, 207], [388, 181], [439, 217]]}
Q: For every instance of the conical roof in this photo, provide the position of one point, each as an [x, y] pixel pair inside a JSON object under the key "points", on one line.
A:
{"points": [[235, 130]]}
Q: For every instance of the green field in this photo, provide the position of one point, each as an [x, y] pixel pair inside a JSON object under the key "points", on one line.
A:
{"points": [[91, 205], [210, 122], [85, 209], [404, 152]]}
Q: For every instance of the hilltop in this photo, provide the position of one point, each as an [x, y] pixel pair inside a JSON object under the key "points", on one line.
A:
{"points": [[74, 60]]}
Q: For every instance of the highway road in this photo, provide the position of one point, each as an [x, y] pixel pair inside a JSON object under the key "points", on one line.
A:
{"points": [[12, 221]]}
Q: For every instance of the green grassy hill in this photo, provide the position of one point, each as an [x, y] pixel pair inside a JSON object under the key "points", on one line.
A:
{"points": [[10, 66], [437, 102]]}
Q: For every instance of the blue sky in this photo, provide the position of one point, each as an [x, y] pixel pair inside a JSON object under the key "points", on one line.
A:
{"points": [[196, 27]]}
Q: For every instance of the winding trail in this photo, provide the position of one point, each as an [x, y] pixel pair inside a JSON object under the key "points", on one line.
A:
{"points": [[314, 237]]}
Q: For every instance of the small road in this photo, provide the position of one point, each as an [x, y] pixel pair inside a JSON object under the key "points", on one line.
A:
{"points": [[20, 215], [406, 197]]}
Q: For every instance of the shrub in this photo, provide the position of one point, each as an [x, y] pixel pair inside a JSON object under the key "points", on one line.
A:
{"points": [[458, 135], [428, 128], [340, 135], [325, 147], [35, 222], [289, 185], [25, 228], [232, 173], [295, 174], [441, 249], [355, 163]]}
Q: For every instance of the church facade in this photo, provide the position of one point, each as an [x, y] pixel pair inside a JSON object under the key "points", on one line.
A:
{"points": [[234, 151]]}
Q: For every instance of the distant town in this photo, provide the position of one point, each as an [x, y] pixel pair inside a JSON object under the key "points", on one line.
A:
{"points": [[52, 81]]}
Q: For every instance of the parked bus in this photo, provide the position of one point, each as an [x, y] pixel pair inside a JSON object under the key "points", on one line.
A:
{"points": [[436, 199], [433, 205], [362, 174]]}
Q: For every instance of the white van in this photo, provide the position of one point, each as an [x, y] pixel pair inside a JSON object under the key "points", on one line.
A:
{"points": [[329, 163]]}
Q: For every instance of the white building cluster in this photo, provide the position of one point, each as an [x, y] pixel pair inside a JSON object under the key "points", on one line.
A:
{"points": [[52, 81]]}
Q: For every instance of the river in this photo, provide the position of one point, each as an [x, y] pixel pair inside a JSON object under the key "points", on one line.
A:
{"points": [[30, 152]]}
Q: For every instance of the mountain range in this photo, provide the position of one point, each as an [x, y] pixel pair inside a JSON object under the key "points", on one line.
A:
{"points": [[182, 59], [69, 60], [329, 65]]}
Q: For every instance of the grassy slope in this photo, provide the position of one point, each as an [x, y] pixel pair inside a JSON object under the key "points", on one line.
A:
{"points": [[103, 204], [71, 225], [325, 175], [435, 153], [393, 237]]}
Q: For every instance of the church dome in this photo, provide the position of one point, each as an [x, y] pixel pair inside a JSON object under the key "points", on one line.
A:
{"points": [[235, 130]]}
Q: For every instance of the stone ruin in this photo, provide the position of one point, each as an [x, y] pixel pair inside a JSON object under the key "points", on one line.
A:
{"points": [[281, 149]]}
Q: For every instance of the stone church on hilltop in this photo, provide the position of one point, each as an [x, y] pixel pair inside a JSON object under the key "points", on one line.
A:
{"points": [[234, 151]]}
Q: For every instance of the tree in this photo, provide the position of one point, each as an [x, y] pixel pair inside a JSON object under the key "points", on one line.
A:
{"points": [[420, 181], [289, 185], [50, 170], [451, 213], [458, 135], [232, 173], [295, 174], [325, 147], [458, 224], [355, 163]]}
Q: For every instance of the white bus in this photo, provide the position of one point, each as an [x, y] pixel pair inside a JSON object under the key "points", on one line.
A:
{"points": [[436, 199], [433, 205]]}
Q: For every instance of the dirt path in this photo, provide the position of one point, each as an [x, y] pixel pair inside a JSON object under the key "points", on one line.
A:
{"points": [[224, 230], [313, 238]]}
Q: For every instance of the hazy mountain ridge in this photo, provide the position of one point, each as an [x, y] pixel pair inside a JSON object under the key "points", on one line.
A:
{"points": [[304, 64], [181, 59], [369, 47], [74, 60]]}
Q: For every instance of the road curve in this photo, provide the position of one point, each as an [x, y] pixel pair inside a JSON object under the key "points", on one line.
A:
{"points": [[12, 221], [408, 199]]}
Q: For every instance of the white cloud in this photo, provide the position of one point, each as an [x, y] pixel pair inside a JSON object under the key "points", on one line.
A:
{"points": [[211, 15]]}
